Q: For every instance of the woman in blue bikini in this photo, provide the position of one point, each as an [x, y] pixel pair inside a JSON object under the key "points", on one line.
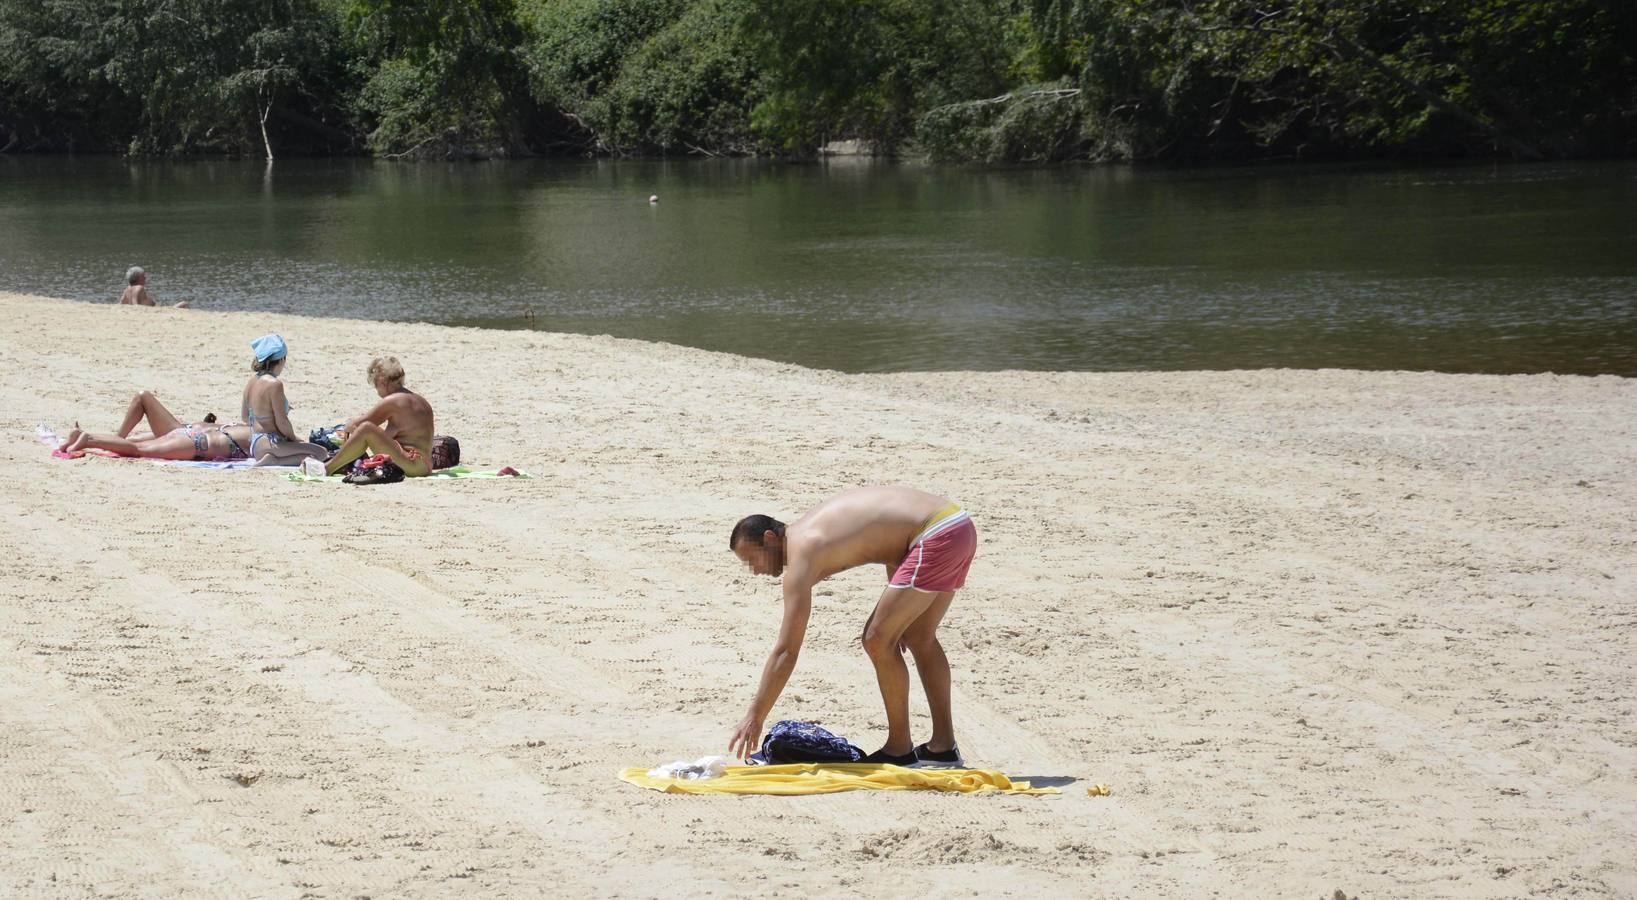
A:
{"points": [[273, 440]]}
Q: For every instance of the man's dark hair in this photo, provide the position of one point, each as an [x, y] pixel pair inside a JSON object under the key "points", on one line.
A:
{"points": [[751, 528]]}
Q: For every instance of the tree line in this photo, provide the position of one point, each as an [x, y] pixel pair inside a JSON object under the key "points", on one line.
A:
{"points": [[954, 80]]}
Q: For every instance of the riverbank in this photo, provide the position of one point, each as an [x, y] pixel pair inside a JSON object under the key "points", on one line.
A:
{"points": [[1317, 629]]}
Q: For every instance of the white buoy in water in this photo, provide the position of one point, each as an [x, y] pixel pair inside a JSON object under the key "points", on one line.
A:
{"points": [[653, 198]]}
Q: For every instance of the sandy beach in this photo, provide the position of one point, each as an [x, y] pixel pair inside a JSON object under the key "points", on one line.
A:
{"points": [[1317, 630]]}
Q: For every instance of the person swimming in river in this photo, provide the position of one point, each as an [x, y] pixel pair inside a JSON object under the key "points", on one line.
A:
{"points": [[136, 290], [926, 544], [273, 441], [168, 437]]}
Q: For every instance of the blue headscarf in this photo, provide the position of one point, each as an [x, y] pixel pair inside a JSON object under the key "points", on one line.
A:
{"points": [[268, 346]]}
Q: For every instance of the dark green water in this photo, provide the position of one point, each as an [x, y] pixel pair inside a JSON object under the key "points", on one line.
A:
{"points": [[878, 267]]}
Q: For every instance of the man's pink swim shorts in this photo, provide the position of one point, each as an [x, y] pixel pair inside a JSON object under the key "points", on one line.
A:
{"points": [[940, 554]]}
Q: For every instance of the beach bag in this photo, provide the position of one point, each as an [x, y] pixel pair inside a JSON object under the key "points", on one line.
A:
{"points": [[445, 451], [325, 437], [804, 742], [375, 470]]}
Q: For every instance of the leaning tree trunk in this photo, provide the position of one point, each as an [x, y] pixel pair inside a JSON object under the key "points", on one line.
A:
{"points": [[266, 110]]}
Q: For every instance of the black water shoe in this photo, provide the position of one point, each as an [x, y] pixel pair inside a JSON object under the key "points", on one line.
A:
{"points": [[943, 759], [908, 760]]}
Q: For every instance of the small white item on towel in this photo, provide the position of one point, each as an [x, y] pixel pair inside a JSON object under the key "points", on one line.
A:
{"points": [[45, 435], [703, 767]]}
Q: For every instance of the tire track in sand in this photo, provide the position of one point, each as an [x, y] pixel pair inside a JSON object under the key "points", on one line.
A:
{"points": [[64, 758], [435, 766]]}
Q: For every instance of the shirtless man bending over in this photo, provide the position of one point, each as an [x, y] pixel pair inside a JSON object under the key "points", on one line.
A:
{"points": [[399, 426], [926, 544]]}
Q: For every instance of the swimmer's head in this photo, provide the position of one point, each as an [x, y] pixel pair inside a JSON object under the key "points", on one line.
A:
{"points": [[758, 541], [386, 374], [135, 275]]}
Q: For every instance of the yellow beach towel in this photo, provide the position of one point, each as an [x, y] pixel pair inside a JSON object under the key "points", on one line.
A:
{"points": [[830, 778]]}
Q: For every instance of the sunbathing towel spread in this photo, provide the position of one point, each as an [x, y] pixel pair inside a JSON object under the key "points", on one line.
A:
{"points": [[235, 465], [451, 472], [81, 454], [815, 778]]}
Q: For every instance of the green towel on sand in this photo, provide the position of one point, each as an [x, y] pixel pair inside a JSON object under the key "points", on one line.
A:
{"points": [[451, 472]]}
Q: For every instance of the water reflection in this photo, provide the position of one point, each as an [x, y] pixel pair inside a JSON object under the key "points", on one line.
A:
{"points": [[865, 266]]}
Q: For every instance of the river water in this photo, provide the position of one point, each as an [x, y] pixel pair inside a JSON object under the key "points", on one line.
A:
{"points": [[871, 266]]}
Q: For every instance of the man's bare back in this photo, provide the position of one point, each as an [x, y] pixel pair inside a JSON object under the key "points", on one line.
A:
{"points": [[135, 295], [858, 527], [410, 418]]}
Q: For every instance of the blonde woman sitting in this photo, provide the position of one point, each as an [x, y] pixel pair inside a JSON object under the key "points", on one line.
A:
{"points": [[398, 426]]}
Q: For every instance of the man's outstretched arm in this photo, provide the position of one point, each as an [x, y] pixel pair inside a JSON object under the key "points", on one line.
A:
{"points": [[798, 607]]}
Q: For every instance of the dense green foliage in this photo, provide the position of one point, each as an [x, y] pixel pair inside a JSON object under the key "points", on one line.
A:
{"points": [[988, 80], [1314, 77], [646, 75], [161, 76]]}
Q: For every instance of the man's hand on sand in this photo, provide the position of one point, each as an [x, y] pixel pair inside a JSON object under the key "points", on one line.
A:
{"points": [[747, 737]]}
